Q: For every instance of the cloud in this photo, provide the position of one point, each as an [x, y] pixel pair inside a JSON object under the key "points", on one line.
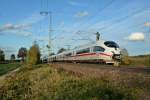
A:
{"points": [[81, 14], [10, 26], [41, 38], [23, 33], [34, 18], [26, 34], [16, 32], [23, 26], [147, 24], [62, 24], [137, 36], [7, 26], [18, 29], [74, 3]]}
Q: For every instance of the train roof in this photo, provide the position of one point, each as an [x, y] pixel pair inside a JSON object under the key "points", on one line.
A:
{"points": [[90, 44], [101, 41]]}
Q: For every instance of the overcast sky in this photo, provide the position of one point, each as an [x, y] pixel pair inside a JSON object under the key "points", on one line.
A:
{"points": [[125, 21]]}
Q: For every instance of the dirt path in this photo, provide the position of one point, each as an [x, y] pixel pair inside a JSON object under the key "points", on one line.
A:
{"points": [[10, 73]]}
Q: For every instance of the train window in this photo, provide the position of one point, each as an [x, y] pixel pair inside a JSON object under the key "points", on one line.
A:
{"points": [[98, 48], [83, 51], [111, 44], [69, 54]]}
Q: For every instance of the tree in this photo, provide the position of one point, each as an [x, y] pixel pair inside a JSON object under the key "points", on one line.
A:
{"points": [[22, 53], [125, 58], [12, 57], [149, 58], [2, 55], [61, 50], [33, 56]]}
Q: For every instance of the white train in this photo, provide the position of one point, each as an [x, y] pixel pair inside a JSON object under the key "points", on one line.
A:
{"points": [[98, 52]]}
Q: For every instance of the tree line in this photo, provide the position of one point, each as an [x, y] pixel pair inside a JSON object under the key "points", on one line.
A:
{"points": [[31, 56]]}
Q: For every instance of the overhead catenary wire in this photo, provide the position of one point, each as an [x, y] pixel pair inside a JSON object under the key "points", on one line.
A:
{"points": [[99, 12], [119, 20]]}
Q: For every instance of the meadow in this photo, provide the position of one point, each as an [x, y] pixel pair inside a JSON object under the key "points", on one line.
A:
{"points": [[44, 81], [38, 82]]}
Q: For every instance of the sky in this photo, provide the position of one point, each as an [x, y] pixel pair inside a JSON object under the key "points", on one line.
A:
{"points": [[74, 22]]}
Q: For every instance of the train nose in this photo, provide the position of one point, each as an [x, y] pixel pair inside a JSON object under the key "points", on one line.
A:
{"points": [[116, 54]]}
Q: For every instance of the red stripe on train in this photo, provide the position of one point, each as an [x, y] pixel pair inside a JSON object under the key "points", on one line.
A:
{"points": [[93, 53], [85, 54], [105, 54]]}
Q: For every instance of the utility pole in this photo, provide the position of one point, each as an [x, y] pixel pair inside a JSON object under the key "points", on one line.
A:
{"points": [[49, 14], [45, 12]]}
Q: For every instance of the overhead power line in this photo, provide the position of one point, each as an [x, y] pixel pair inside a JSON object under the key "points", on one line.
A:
{"points": [[97, 14], [119, 20]]}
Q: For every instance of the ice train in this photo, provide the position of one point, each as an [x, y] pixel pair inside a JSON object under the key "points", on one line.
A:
{"points": [[100, 51]]}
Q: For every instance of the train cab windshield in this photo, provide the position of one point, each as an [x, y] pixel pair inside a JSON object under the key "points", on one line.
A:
{"points": [[111, 44], [98, 49]]}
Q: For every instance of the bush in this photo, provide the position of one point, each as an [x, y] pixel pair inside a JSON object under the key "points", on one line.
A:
{"points": [[33, 56], [125, 56]]}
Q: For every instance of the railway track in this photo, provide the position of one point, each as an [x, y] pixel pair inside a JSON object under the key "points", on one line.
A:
{"points": [[135, 69], [99, 67]]}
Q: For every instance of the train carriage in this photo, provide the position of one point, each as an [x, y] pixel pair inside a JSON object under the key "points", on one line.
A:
{"points": [[100, 52]]}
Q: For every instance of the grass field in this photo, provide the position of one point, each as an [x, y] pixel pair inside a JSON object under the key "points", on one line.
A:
{"points": [[4, 68], [141, 60], [43, 81], [40, 82]]}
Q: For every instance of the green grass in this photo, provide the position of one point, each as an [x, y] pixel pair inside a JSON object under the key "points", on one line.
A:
{"points": [[4, 68], [43, 82], [141, 60]]}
